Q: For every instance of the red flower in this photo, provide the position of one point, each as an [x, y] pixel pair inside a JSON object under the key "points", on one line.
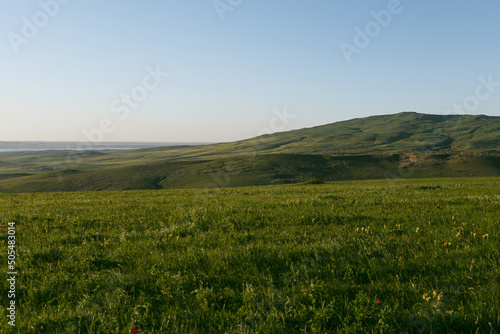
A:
{"points": [[134, 330], [2, 227], [379, 302]]}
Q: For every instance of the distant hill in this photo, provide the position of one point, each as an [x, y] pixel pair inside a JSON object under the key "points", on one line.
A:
{"points": [[402, 145], [403, 132], [265, 169], [399, 133]]}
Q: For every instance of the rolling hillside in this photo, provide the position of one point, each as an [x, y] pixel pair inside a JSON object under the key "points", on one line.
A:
{"points": [[402, 132], [401, 145]]}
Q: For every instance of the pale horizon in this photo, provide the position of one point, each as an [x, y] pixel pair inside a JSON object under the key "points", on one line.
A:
{"points": [[185, 72]]}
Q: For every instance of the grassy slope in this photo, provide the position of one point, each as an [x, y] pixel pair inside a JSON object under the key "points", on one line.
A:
{"points": [[404, 132], [255, 170], [279, 259]]}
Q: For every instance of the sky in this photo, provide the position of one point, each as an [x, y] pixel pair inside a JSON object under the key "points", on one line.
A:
{"points": [[225, 70]]}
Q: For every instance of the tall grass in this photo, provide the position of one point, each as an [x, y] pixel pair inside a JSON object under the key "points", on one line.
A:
{"points": [[417, 256]]}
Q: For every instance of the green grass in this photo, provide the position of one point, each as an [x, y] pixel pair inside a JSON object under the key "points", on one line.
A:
{"points": [[308, 258], [251, 170]]}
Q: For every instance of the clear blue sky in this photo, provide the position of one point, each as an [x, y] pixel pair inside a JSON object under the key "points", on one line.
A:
{"points": [[227, 76]]}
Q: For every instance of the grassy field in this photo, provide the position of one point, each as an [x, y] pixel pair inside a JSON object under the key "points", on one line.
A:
{"points": [[264, 169], [400, 256]]}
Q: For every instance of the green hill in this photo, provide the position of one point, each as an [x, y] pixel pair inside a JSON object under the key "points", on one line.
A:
{"points": [[403, 132], [399, 133], [402, 145], [263, 169]]}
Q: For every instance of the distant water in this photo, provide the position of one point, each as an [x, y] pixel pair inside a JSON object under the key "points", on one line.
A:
{"points": [[75, 146], [65, 149]]}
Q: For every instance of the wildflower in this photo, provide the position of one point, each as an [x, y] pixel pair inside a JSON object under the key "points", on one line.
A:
{"points": [[134, 330], [379, 302]]}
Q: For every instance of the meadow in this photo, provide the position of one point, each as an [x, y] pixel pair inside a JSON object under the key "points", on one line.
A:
{"points": [[398, 256]]}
